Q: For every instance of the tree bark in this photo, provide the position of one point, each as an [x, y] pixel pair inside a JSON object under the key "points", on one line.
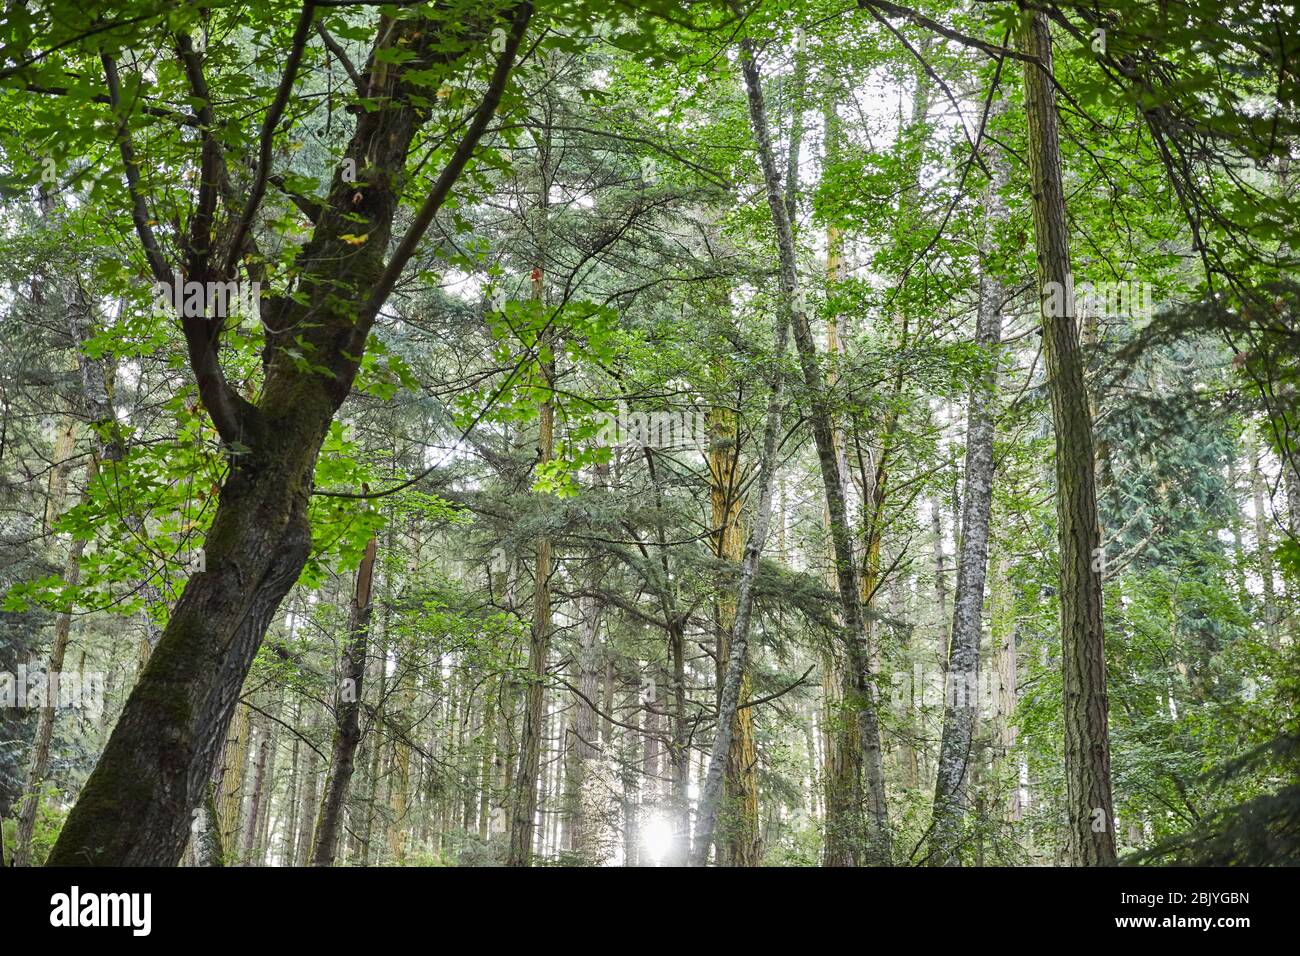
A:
{"points": [[1083, 651], [963, 663], [861, 697], [230, 784], [347, 716], [740, 844], [257, 796]]}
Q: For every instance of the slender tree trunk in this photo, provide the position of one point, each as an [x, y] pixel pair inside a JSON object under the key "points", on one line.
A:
{"points": [[1083, 651], [628, 778], [843, 764], [1235, 523], [288, 842], [399, 773], [861, 698], [1263, 538], [40, 759], [961, 697], [651, 764], [486, 777], [583, 791], [256, 811], [740, 843], [525, 803], [680, 751], [308, 804], [263, 850], [347, 716]]}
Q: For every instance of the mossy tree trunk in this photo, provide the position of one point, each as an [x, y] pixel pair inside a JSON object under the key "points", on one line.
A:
{"points": [[135, 807], [740, 843]]}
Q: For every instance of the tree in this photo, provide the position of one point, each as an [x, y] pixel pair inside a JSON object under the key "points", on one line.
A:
{"points": [[1083, 651], [163, 747]]}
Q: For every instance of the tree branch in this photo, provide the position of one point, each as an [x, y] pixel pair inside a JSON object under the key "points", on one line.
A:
{"points": [[271, 121], [450, 173]]}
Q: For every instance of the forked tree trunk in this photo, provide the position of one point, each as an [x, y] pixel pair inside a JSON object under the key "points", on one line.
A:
{"points": [[135, 807], [1083, 649]]}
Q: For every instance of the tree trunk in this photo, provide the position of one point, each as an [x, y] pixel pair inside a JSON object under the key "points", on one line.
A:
{"points": [[740, 843], [861, 697], [290, 801], [230, 784], [525, 804], [1263, 539], [962, 678], [584, 793], [347, 716], [307, 806], [842, 765], [205, 836], [651, 769], [1083, 651], [257, 797], [399, 771]]}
